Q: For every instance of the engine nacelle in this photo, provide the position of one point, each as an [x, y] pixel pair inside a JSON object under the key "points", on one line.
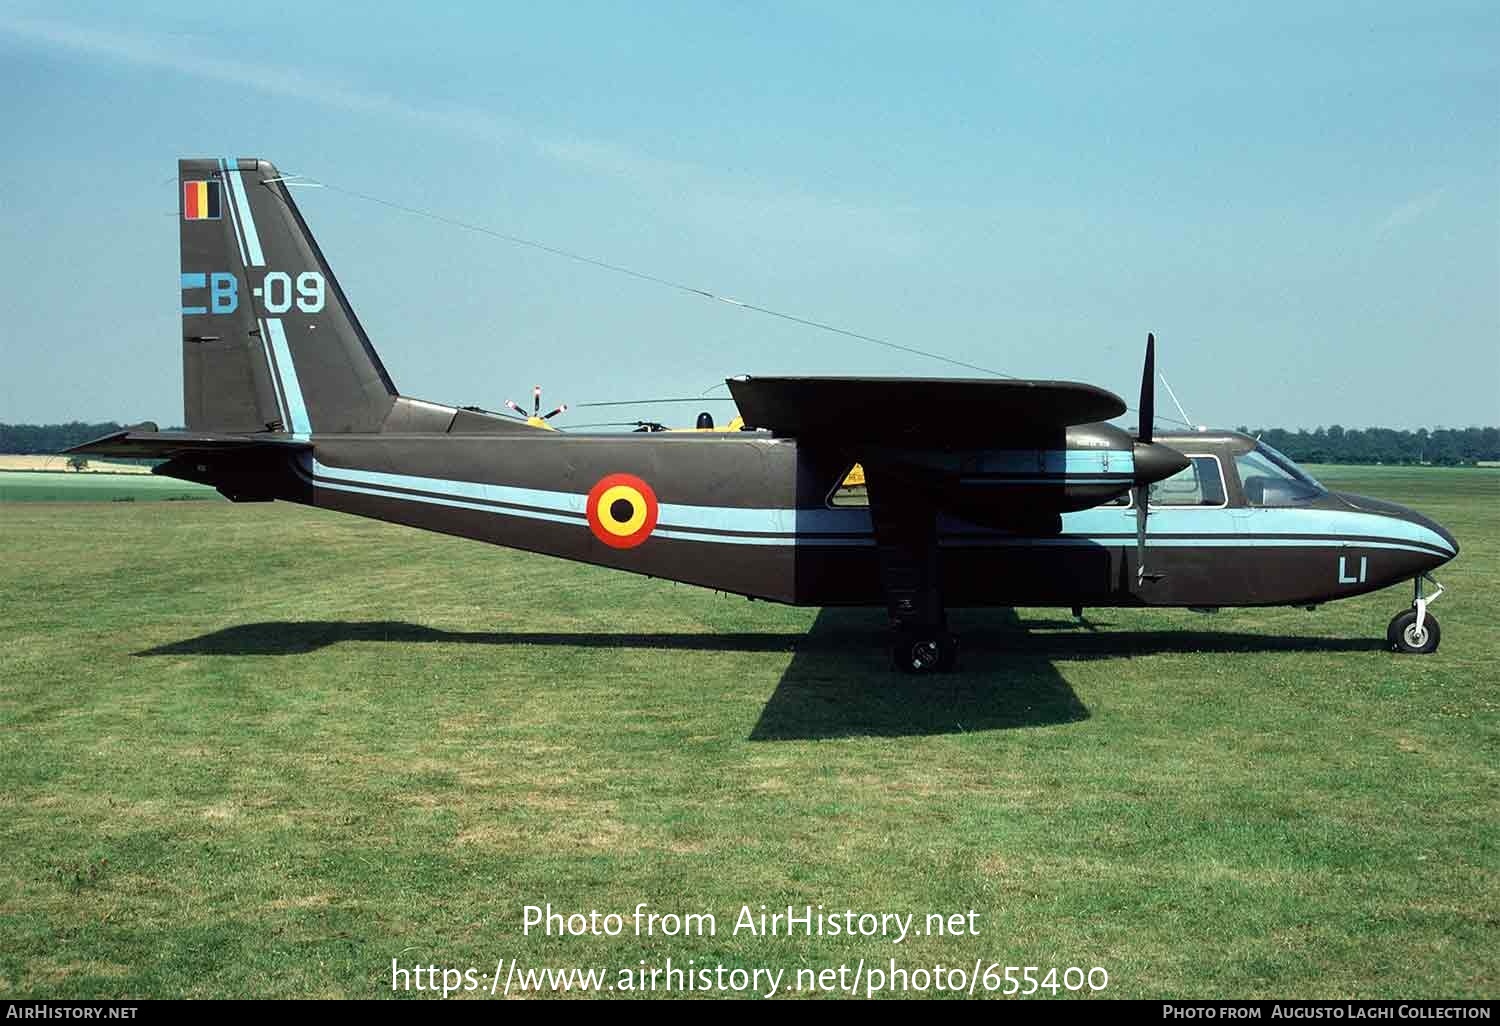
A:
{"points": [[1030, 484]]}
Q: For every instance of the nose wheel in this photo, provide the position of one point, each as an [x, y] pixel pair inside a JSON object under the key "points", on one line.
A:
{"points": [[1407, 636], [1415, 631]]}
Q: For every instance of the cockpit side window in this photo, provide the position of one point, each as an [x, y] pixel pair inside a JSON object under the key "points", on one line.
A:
{"points": [[1270, 479], [1200, 484], [851, 489]]}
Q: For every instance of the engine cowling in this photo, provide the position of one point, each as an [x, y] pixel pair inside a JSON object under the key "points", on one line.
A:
{"points": [[1079, 468]]}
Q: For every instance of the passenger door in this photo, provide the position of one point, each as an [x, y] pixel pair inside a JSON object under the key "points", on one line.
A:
{"points": [[1194, 538]]}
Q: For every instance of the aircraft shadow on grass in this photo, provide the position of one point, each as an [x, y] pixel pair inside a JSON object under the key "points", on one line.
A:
{"points": [[838, 683]]}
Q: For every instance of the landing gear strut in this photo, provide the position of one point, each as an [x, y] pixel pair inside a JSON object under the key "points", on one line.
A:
{"points": [[1415, 631], [906, 539]]}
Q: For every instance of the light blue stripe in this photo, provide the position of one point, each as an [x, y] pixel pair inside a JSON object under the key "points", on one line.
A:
{"points": [[1228, 522], [562, 502], [759, 521], [301, 426], [997, 541], [233, 216], [1226, 541], [1057, 461], [669, 515], [1068, 479], [1092, 461], [781, 539], [427, 500], [242, 204], [276, 387], [527, 514], [1311, 521], [779, 526], [794, 520]]}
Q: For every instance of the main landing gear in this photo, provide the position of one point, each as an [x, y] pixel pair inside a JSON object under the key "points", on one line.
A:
{"points": [[906, 539], [1415, 631], [924, 651]]}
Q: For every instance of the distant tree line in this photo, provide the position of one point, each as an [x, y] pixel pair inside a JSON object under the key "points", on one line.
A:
{"points": [[51, 439], [47, 439], [1443, 446]]}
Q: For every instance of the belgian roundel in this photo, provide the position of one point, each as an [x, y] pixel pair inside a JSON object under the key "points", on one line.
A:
{"points": [[622, 511]]}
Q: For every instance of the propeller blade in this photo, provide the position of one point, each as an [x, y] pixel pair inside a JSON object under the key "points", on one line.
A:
{"points": [[1147, 408], [511, 403], [561, 409], [536, 400]]}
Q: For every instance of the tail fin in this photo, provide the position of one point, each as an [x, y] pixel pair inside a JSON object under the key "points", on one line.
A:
{"points": [[269, 340]]}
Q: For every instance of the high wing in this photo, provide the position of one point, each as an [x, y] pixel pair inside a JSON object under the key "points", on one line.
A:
{"points": [[917, 409], [1011, 454], [994, 453]]}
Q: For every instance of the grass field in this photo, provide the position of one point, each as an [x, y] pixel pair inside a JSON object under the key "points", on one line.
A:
{"points": [[260, 750], [46, 486]]}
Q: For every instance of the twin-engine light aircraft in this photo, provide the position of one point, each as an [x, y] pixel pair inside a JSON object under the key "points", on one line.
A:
{"points": [[1020, 496]]}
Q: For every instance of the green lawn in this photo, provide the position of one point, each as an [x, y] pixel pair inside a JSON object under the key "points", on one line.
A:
{"points": [[260, 750], [47, 486]]}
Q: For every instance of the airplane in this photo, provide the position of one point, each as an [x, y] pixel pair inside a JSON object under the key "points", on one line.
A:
{"points": [[1019, 495]]}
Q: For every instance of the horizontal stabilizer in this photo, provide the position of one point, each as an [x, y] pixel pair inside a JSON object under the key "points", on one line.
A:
{"points": [[165, 445], [917, 409]]}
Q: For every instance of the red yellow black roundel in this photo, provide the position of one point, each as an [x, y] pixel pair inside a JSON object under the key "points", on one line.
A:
{"points": [[622, 511]]}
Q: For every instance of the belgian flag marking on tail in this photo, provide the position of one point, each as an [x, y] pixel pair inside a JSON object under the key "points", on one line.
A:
{"points": [[202, 201]]}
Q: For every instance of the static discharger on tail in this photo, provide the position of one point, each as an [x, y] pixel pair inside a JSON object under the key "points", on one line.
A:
{"points": [[1021, 495]]}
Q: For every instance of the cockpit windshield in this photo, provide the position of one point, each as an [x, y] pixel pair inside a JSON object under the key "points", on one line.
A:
{"points": [[1270, 479]]}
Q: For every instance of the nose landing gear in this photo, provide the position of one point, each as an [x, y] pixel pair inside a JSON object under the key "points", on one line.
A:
{"points": [[1415, 631]]}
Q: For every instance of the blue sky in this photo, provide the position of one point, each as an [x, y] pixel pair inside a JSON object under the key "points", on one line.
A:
{"points": [[1301, 200]]}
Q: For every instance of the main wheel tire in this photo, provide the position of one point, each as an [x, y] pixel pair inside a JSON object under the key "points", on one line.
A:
{"points": [[1404, 636], [918, 652]]}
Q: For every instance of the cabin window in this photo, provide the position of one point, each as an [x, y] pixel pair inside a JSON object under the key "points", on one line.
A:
{"points": [[1200, 484], [851, 489]]}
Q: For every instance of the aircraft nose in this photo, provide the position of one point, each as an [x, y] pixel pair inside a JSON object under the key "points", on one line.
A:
{"points": [[1444, 536], [1418, 526]]}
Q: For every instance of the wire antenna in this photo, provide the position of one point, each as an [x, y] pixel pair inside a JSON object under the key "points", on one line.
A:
{"points": [[1185, 418], [655, 279], [652, 278]]}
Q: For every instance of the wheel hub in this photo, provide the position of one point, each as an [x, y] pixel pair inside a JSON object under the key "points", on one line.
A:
{"points": [[924, 654], [1416, 636]]}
